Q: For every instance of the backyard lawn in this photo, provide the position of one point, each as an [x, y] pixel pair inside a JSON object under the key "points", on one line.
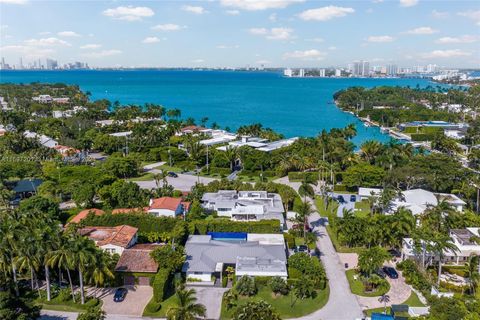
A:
{"points": [[282, 304], [362, 209], [357, 287]]}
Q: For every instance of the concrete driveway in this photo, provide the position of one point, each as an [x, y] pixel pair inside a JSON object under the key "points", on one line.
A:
{"points": [[133, 305], [211, 298], [184, 182]]}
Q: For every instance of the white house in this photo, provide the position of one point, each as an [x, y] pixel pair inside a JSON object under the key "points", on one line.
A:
{"points": [[418, 200], [366, 193], [168, 207], [249, 254], [111, 239]]}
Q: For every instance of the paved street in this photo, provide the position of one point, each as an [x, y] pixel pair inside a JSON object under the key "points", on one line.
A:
{"points": [[211, 298], [63, 315], [184, 182]]}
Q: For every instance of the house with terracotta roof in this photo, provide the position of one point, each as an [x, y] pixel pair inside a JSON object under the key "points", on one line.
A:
{"points": [[136, 260], [84, 213], [112, 239], [168, 207]]}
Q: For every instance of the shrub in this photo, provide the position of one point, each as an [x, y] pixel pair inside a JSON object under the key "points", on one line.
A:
{"points": [[279, 286], [246, 286], [300, 176], [308, 267], [294, 273], [262, 281], [414, 277], [153, 307], [290, 239], [224, 225], [64, 295], [93, 302], [224, 281], [161, 284], [422, 136]]}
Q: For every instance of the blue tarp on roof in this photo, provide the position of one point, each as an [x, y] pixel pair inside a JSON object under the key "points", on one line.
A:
{"points": [[27, 185], [381, 316]]}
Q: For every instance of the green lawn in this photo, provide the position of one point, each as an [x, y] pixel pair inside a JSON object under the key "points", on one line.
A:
{"points": [[146, 176], [282, 304], [412, 301], [67, 306], [362, 209], [162, 312], [356, 286], [168, 168]]}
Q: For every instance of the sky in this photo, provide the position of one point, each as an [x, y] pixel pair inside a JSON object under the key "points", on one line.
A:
{"points": [[239, 33]]}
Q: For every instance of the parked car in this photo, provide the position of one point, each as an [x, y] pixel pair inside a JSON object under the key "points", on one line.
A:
{"points": [[391, 272], [353, 198], [120, 294], [341, 199], [172, 174], [301, 248], [346, 265]]}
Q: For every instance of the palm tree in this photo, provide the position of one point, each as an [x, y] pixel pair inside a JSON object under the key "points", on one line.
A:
{"points": [[84, 253], [100, 269], [27, 258], [63, 258], [304, 211], [439, 244], [385, 298], [472, 269], [231, 155], [11, 232], [370, 150], [186, 308]]}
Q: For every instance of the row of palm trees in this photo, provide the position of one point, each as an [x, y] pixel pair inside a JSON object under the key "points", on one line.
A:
{"points": [[33, 243]]}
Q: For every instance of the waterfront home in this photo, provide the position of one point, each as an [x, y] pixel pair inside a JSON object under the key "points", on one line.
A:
{"points": [[111, 239], [218, 137], [466, 241], [208, 256], [259, 143], [434, 124], [245, 205], [136, 265], [168, 207], [418, 200], [193, 130]]}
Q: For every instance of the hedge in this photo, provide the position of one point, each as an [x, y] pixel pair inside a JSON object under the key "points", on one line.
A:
{"points": [[161, 284], [422, 136], [224, 225], [300, 176], [414, 277], [290, 239], [217, 170]]}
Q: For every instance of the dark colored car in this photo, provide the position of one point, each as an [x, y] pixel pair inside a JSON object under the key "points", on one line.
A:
{"points": [[120, 294], [172, 174], [381, 273], [346, 265], [341, 199], [390, 272], [353, 198]]}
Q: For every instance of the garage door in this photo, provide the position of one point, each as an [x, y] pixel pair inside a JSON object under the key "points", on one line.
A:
{"points": [[129, 280], [143, 281]]}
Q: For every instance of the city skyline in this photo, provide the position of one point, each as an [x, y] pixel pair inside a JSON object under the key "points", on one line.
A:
{"points": [[240, 33]]}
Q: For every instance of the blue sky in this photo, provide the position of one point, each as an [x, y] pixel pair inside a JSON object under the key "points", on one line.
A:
{"points": [[237, 33]]}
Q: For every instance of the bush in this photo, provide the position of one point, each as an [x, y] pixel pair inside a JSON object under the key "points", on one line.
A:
{"points": [[262, 281], [422, 137], [294, 273], [279, 286], [224, 225], [414, 277], [224, 281], [290, 239], [301, 176], [308, 267], [161, 284], [459, 271], [92, 302], [246, 286]]}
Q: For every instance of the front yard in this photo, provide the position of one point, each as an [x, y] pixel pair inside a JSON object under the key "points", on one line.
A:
{"points": [[357, 286], [283, 304]]}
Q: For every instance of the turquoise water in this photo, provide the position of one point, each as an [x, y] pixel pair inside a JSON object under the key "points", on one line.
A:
{"points": [[292, 106]]}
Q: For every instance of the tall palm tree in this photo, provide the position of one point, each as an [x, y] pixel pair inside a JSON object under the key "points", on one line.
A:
{"points": [[441, 243], [11, 231], [472, 272], [231, 155], [63, 258], [370, 150], [100, 270], [384, 298], [84, 254], [186, 308]]}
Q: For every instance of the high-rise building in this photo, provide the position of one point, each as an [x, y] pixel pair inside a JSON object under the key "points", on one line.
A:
{"points": [[322, 72], [288, 72], [52, 64], [392, 69], [338, 73], [301, 73], [361, 68]]}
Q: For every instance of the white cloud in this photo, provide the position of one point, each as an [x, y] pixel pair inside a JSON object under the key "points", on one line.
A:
{"points": [[14, 1], [47, 42], [198, 61], [101, 54], [380, 39], [232, 12], [273, 33], [421, 30], [272, 17], [151, 40], [439, 14], [223, 46], [408, 3], [312, 54], [332, 48], [44, 33], [445, 54], [68, 34], [129, 13], [28, 52], [90, 46], [314, 40], [471, 14], [256, 5], [168, 27], [325, 13], [460, 39], [194, 9], [262, 62]]}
